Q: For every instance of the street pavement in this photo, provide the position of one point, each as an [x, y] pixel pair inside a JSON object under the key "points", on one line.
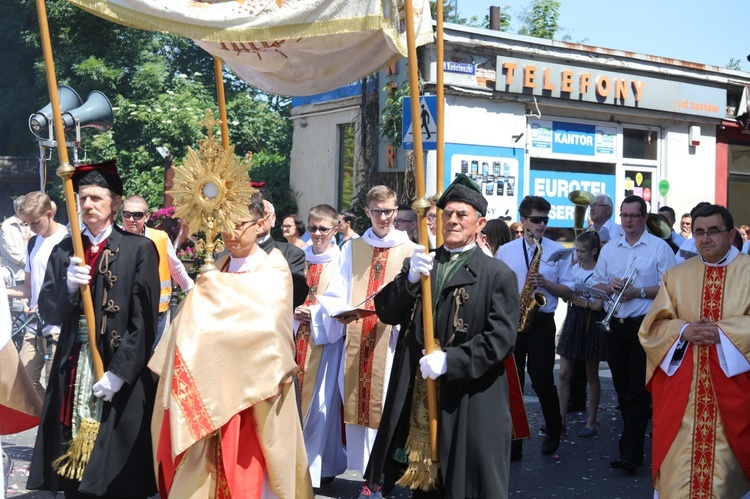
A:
{"points": [[580, 468]]}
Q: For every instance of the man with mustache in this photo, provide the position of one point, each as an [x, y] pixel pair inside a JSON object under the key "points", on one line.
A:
{"points": [[123, 274]]}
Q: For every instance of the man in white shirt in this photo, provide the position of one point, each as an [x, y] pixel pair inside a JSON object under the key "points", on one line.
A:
{"points": [[13, 236], [600, 212], [38, 347], [535, 347], [670, 215], [650, 257]]}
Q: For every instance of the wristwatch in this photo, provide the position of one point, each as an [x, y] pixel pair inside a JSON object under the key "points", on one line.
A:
{"points": [[643, 293]]}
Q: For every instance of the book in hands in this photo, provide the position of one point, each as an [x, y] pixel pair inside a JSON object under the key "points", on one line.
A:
{"points": [[338, 309]]}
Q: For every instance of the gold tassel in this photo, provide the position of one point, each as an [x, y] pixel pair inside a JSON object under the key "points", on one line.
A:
{"points": [[72, 464], [422, 471]]}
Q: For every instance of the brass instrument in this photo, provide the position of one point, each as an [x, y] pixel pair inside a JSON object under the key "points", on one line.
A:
{"points": [[582, 200], [613, 304], [531, 301], [657, 226]]}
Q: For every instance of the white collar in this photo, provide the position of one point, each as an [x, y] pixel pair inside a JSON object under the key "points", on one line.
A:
{"points": [[393, 238], [246, 263], [99, 238], [328, 255], [729, 258], [461, 249], [264, 239]]}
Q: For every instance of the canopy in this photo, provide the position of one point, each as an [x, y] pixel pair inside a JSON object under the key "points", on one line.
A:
{"points": [[287, 47]]}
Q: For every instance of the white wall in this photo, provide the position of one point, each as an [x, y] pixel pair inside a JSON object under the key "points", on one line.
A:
{"points": [[314, 158]]}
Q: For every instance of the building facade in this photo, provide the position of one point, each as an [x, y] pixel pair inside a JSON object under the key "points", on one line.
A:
{"points": [[532, 116]]}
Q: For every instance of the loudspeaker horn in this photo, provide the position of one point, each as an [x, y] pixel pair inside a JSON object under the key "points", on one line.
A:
{"points": [[69, 99], [96, 112]]}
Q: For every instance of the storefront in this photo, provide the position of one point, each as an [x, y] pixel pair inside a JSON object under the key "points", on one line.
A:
{"points": [[530, 116]]}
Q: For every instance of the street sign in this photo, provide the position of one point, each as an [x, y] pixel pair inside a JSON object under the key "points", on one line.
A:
{"points": [[427, 124]]}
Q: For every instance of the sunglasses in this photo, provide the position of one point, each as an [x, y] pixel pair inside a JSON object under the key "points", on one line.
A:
{"points": [[538, 220], [319, 228], [519, 232], [135, 215]]}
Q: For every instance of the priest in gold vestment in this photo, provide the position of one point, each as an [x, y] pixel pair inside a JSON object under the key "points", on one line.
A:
{"points": [[697, 341], [226, 420], [366, 265]]}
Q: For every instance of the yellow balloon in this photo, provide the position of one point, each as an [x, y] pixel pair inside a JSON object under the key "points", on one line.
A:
{"points": [[638, 179]]}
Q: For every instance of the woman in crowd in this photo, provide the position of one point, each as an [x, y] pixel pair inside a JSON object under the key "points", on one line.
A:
{"points": [[516, 230], [293, 228], [580, 338]]}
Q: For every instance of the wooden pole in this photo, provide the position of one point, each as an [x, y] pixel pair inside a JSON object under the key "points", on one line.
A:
{"points": [[440, 118], [421, 205], [222, 103], [65, 172]]}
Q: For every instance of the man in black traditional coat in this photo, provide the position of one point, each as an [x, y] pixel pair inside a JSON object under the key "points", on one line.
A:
{"points": [[122, 269], [476, 316]]}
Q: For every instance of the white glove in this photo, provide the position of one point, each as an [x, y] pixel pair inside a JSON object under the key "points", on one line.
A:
{"points": [[419, 263], [434, 364], [106, 387], [78, 275]]}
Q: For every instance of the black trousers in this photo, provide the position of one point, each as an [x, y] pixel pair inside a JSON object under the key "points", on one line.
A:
{"points": [[627, 361], [535, 351]]}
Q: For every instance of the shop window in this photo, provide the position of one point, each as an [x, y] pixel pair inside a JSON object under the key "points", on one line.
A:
{"points": [[346, 165], [639, 144]]}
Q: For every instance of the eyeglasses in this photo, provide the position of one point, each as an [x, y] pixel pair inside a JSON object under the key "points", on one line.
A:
{"points": [[431, 218], [599, 205], [242, 223], [376, 212], [319, 228], [713, 231], [400, 221], [538, 220], [630, 215], [135, 215]]}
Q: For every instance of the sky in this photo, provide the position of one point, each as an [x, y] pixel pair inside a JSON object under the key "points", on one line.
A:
{"points": [[706, 32]]}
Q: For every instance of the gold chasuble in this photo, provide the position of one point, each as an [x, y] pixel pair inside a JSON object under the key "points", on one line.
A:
{"points": [[367, 339], [701, 430], [226, 422], [308, 353]]}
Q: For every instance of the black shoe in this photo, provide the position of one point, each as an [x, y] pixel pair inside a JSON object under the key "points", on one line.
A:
{"points": [[629, 468], [516, 450], [550, 444]]}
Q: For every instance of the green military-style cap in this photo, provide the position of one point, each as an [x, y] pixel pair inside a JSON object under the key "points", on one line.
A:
{"points": [[464, 190]]}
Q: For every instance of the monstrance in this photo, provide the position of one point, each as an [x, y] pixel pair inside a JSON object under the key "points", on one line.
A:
{"points": [[211, 191]]}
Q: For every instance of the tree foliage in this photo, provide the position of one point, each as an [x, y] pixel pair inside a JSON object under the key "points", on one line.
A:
{"points": [[541, 19], [160, 87]]}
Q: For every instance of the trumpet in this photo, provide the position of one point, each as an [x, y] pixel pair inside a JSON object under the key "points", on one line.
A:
{"points": [[613, 304]]}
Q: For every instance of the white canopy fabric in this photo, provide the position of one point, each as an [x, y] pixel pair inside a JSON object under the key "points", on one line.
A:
{"points": [[287, 47]]}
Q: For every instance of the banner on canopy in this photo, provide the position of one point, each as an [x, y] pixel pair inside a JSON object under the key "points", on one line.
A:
{"points": [[287, 47]]}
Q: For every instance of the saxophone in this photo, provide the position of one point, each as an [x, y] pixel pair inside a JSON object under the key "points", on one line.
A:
{"points": [[530, 300]]}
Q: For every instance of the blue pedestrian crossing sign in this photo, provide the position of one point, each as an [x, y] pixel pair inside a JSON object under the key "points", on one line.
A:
{"points": [[426, 123]]}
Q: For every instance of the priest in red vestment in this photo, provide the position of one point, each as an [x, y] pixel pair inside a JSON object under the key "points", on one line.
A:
{"points": [[226, 421], [697, 341]]}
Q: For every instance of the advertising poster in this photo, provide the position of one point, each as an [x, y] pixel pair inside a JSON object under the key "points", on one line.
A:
{"points": [[497, 170], [555, 186], [640, 183], [560, 138]]}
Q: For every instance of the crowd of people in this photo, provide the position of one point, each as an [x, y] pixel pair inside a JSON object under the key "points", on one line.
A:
{"points": [[296, 360]]}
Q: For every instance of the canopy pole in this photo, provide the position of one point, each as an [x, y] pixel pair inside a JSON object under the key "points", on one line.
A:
{"points": [[65, 172], [219, 73], [421, 205], [440, 139]]}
